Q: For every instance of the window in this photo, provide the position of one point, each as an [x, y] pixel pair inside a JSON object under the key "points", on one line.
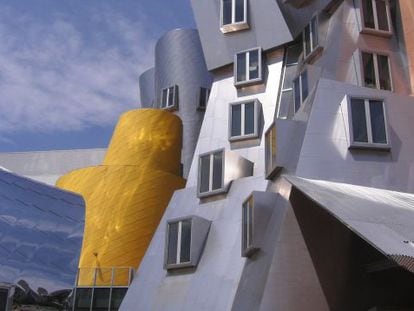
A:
{"points": [[247, 227], [248, 67], [270, 151], [179, 242], [233, 15], [300, 89], [310, 37], [169, 98], [204, 95], [291, 59], [368, 123], [376, 16], [244, 120], [4, 299], [211, 173], [376, 71]]}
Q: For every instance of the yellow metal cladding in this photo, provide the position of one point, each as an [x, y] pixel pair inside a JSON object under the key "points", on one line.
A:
{"points": [[127, 195]]}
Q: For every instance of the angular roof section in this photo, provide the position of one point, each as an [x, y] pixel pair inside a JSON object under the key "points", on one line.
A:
{"points": [[41, 230], [383, 218]]}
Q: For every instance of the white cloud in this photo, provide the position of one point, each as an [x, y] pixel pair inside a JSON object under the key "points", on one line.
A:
{"points": [[56, 77]]}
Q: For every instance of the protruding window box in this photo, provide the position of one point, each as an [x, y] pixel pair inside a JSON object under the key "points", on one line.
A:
{"points": [[233, 15], [244, 120], [169, 98], [217, 169], [184, 241], [256, 212], [248, 67]]}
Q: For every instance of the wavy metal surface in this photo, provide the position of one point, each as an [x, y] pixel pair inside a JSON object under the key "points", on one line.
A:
{"points": [[126, 196], [147, 88], [41, 231], [179, 60]]}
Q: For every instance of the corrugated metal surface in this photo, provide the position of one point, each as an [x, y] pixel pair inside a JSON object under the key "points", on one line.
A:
{"points": [[41, 230], [146, 88], [384, 218]]}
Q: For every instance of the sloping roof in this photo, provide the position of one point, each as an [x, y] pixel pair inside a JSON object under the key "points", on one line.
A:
{"points": [[383, 218], [41, 230]]}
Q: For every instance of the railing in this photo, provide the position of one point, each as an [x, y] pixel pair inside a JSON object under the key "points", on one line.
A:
{"points": [[104, 277]]}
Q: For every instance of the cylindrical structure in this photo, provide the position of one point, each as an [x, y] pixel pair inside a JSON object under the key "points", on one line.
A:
{"points": [[179, 61], [146, 88]]}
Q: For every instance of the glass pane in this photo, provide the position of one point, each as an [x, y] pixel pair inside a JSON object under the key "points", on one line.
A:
{"points": [[241, 67], [217, 170], [307, 40], [368, 14], [239, 11], [235, 120], [101, 299], [185, 241], [384, 72], [359, 123], [268, 151], [244, 224], [382, 15], [250, 223], [203, 98], [314, 33], [3, 299], [296, 90], [253, 64], [376, 110], [164, 98], [172, 243], [83, 299], [304, 77], [293, 53], [171, 97], [286, 101], [205, 173], [273, 143], [290, 72], [369, 73], [118, 295], [227, 12], [249, 118]]}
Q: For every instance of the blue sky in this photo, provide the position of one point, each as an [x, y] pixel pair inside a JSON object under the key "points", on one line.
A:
{"points": [[69, 68]]}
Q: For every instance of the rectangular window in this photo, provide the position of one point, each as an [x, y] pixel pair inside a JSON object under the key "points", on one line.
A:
{"points": [[203, 100], [169, 97], [179, 242], [4, 299], [248, 67], [244, 120], [300, 89], [233, 15], [376, 71], [270, 150], [368, 123], [211, 172], [247, 226], [376, 15], [310, 37]]}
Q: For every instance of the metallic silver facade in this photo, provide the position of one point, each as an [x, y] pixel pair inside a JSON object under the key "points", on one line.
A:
{"points": [[41, 230], [147, 88]]}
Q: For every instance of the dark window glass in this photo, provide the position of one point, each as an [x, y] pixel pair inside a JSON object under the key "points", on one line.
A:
{"points": [[249, 118], [217, 170], [171, 97], [203, 97], [227, 12], [3, 299], [382, 15], [235, 120], [293, 53], [314, 33], [304, 80], [172, 243], [369, 72], [307, 40], [185, 241], [250, 222], [245, 226], [101, 299], [286, 101], [118, 295], [83, 299], [377, 122], [359, 124], [253, 64], [290, 72], [384, 72], [205, 173], [239, 11], [241, 67], [296, 89], [368, 13], [164, 98]]}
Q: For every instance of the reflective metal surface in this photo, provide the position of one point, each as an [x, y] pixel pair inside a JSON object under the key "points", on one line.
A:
{"points": [[41, 230]]}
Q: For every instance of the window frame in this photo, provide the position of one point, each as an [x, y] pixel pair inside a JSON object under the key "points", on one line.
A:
{"points": [[376, 30], [179, 264], [256, 117], [208, 91], [249, 81], [376, 70], [234, 26], [211, 192], [271, 167], [313, 48], [8, 290], [174, 104], [247, 240], [370, 144], [302, 100]]}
